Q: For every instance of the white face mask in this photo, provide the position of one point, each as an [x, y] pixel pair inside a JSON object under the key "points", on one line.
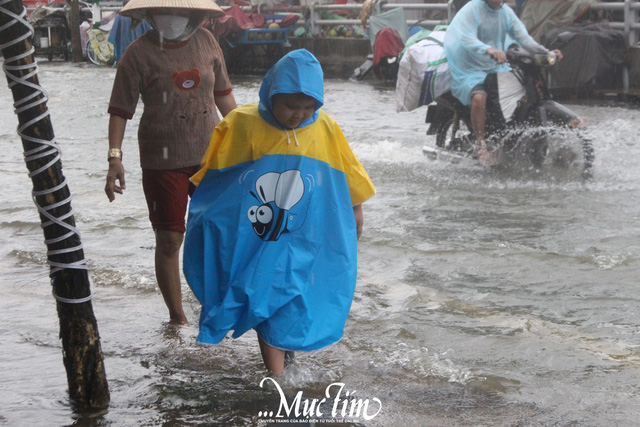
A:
{"points": [[171, 26]]}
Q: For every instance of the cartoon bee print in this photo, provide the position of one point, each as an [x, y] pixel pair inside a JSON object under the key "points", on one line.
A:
{"points": [[278, 193]]}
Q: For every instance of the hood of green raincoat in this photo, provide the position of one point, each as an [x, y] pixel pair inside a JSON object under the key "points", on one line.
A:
{"points": [[296, 72]]}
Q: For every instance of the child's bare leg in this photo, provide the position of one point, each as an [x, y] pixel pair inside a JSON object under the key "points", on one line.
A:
{"points": [[273, 357]]}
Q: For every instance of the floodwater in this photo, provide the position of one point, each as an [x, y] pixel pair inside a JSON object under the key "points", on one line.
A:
{"points": [[483, 298]]}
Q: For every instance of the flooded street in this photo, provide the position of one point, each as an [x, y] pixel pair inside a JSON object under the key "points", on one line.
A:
{"points": [[483, 297]]}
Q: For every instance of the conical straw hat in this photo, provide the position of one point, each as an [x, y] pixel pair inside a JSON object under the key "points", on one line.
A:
{"points": [[137, 8]]}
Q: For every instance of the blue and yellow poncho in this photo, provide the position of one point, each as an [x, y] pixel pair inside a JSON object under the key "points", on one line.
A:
{"points": [[271, 238]]}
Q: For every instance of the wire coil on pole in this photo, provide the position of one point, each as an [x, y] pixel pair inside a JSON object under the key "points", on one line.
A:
{"points": [[19, 72]]}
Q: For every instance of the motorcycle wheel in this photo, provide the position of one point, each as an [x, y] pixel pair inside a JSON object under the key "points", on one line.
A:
{"points": [[91, 54], [455, 135], [538, 154], [563, 150], [537, 150], [589, 156]]}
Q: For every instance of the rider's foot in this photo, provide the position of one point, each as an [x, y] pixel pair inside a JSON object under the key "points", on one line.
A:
{"points": [[487, 157]]}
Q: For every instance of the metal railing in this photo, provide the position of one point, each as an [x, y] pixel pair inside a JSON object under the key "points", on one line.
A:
{"points": [[317, 22], [630, 25], [630, 8]]}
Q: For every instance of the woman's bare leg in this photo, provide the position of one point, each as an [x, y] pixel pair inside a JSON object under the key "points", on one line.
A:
{"points": [[167, 260]]}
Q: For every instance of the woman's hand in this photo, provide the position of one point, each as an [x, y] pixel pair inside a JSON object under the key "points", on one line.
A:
{"points": [[115, 179], [115, 175]]}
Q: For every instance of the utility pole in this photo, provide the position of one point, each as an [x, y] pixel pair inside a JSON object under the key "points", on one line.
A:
{"points": [[74, 27], [82, 355]]}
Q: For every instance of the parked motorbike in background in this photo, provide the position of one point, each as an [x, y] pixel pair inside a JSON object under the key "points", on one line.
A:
{"points": [[51, 35], [99, 50], [523, 123], [95, 36]]}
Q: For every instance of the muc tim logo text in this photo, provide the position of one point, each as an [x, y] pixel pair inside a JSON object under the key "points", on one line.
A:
{"points": [[337, 404]]}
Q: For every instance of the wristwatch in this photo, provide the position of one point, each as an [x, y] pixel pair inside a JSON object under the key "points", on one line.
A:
{"points": [[114, 152]]}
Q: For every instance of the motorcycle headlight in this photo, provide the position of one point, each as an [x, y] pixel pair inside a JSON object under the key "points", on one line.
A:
{"points": [[545, 59]]}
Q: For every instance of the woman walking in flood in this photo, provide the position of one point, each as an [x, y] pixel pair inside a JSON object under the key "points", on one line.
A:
{"points": [[179, 72]]}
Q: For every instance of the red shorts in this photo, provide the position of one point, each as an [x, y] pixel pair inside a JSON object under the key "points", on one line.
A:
{"points": [[167, 193]]}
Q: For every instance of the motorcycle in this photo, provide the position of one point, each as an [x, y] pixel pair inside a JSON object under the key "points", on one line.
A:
{"points": [[99, 50], [523, 123]]}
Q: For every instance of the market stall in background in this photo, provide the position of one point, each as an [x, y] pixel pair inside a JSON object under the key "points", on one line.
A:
{"points": [[599, 38]]}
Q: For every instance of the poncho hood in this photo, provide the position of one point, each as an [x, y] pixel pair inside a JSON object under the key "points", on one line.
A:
{"points": [[491, 9], [296, 72]]}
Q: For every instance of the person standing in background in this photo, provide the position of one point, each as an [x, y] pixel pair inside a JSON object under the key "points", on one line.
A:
{"points": [[123, 34]]}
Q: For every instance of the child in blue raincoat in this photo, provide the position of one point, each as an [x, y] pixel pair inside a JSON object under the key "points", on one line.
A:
{"points": [[271, 241]]}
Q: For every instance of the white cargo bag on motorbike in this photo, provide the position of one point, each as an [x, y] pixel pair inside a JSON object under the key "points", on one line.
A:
{"points": [[506, 90], [423, 73]]}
